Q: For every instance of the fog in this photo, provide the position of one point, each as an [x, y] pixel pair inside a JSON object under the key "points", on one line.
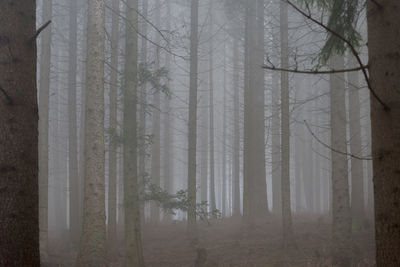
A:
{"points": [[209, 133]]}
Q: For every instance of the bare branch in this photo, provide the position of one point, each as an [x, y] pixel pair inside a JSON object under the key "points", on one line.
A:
{"points": [[352, 49], [333, 149], [313, 71], [38, 31]]}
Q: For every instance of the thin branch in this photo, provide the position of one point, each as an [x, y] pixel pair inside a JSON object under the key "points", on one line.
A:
{"points": [[313, 71], [8, 98], [331, 148], [38, 31], [352, 48]]}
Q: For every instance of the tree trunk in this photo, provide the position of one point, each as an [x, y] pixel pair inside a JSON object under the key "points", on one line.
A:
{"points": [[192, 130], [236, 132], [255, 191], [156, 149], [341, 225], [133, 243], [211, 90], [92, 248], [45, 58], [74, 183], [384, 62], [285, 131], [168, 125], [112, 167], [143, 105], [357, 178], [19, 227]]}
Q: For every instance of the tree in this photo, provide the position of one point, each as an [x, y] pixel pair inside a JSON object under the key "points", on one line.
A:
{"points": [[192, 124], [384, 70], [74, 206], [133, 243], [92, 247], [156, 145], [236, 133], [285, 131], [211, 90], [341, 216], [19, 227], [254, 191], [112, 183], [44, 86], [357, 178]]}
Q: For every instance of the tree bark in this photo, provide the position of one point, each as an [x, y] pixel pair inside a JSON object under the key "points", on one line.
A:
{"points": [[341, 225], [92, 247], [19, 213], [384, 62]]}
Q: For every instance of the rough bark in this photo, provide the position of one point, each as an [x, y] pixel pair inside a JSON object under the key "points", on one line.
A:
{"points": [[92, 247], [19, 227], [384, 62]]}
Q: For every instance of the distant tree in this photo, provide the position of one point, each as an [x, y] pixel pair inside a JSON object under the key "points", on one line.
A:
{"points": [[133, 243], [112, 184], [285, 131], [192, 125]]}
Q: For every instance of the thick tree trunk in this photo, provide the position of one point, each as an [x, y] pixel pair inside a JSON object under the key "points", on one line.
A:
{"points": [[341, 225], [45, 58], [192, 130], [255, 191], [19, 227], [92, 248], [384, 62]]}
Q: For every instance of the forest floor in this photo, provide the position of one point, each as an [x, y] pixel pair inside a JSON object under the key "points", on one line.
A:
{"points": [[227, 243]]}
